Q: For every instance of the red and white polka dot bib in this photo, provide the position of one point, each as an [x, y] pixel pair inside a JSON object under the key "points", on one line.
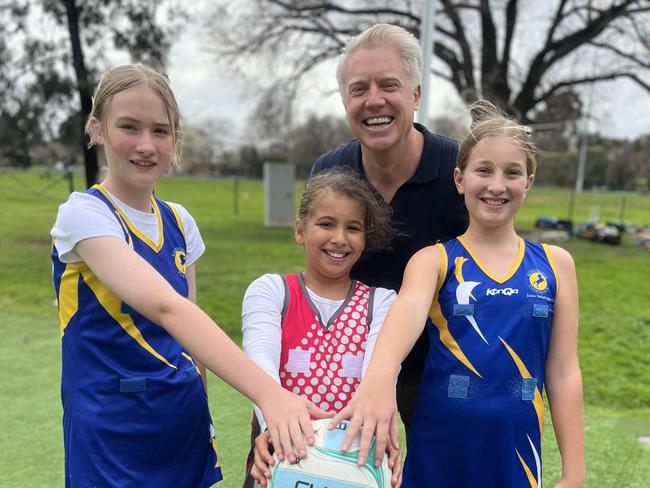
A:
{"points": [[322, 362]]}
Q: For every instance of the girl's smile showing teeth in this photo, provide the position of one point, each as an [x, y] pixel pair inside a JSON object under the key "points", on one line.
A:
{"points": [[494, 202], [335, 254], [333, 235], [143, 164]]}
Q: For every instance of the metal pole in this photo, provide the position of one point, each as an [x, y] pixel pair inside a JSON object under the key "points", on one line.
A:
{"points": [[70, 178], [621, 217], [235, 196], [572, 202], [582, 163], [427, 26]]}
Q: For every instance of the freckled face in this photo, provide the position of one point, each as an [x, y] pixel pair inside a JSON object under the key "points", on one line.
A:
{"points": [[494, 181]]}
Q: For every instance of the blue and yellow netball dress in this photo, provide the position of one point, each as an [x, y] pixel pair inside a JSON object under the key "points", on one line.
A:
{"points": [[135, 412], [480, 412]]}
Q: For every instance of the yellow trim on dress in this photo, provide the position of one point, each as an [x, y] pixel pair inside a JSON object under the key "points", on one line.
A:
{"points": [[215, 447], [529, 473], [538, 402], [458, 271], [113, 306], [551, 261], [439, 321], [189, 358], [513, 270], [178, 219], [161, 238], [68, 295]]}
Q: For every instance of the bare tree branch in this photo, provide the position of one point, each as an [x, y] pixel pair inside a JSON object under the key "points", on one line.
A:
{"points": [[295, 35], [590, 79], [557, 49], [642, 63], [461, 72]]}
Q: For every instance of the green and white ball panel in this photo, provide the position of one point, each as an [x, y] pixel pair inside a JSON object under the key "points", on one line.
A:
{"points": [[327, 467]]}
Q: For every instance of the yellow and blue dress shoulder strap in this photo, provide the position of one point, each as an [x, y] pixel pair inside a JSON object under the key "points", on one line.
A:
{"points": [[444, 266], [98, 193], [551, 263], [177, 217]]}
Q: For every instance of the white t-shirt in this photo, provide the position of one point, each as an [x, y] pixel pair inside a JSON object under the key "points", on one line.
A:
{"points": [[84, 216], [262, 328]]}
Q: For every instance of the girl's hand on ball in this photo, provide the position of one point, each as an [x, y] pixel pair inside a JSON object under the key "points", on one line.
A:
{"points": [[263, 460]]}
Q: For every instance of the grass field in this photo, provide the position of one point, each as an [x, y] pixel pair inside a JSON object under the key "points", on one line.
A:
{"points": [[614, 335]]}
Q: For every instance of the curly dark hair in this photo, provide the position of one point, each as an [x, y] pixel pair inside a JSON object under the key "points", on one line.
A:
{"points": [[344, 181]]}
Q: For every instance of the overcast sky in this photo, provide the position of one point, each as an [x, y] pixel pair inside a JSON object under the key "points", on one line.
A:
{"points": [[619, 109]]}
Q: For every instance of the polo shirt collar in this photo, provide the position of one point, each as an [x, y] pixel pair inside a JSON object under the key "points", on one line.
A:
{"points": [[427, 169]]}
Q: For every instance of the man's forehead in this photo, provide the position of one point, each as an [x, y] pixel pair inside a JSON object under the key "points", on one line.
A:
{"points": [[382, 50], [378, 62]]}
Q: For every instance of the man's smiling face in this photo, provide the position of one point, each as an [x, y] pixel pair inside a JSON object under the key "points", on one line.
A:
{"points": [[378, 97]]}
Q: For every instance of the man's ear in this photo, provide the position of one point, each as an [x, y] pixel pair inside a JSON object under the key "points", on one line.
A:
{"points": [[416, 95], [299, 232]]}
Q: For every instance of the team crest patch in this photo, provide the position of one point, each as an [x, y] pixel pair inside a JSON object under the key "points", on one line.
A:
{"points": [[179, 260], [537, 281]]}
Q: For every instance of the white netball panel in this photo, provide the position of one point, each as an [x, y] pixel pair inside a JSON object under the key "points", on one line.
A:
{"points": [[327, 467]]}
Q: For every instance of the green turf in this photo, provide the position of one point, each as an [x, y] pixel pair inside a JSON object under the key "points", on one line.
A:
{"points": [[614, 329]]}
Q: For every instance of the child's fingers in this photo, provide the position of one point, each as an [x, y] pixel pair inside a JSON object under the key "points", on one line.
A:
{"points": [[365, 441], [263, 450], [296, 432], [394, 456], [396, 480], [382, 441], [394, 431], [261, 466], [257, 476], [277, 445], [318, 413], [343, 414], [307, 429], [395, 464], [285, 440], [354, 426]]}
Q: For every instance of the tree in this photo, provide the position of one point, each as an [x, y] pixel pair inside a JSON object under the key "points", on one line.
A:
{"points": [[517, 54], [83, 33], [204, 146], [250, 162], [451, 124], [314, 137], [30, 87], [557, 123]]}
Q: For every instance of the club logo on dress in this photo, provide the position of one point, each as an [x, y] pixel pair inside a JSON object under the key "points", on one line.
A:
{"points": [[537, 281], [179, 260]]}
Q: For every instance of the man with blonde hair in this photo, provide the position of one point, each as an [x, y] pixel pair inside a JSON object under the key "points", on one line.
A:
{"points": [[379, 80]]}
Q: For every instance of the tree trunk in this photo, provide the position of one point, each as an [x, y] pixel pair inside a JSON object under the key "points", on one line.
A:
{"points": [[85, 91]]}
